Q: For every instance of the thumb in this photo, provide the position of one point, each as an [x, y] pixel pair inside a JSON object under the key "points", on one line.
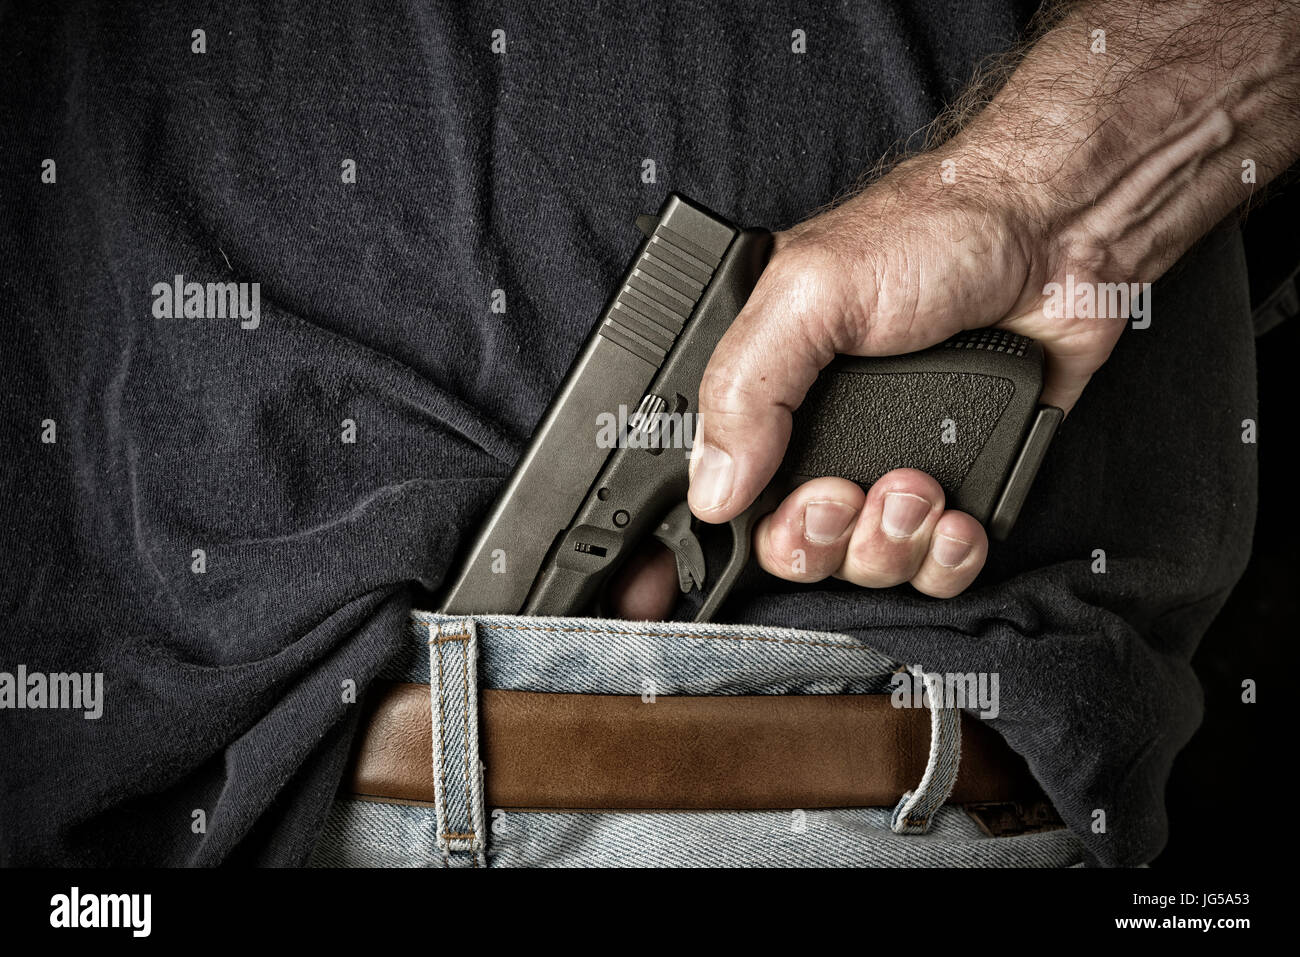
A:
{"points": [[759, 373]]}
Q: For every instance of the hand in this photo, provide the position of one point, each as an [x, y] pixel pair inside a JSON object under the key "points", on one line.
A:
{"points": [[904, 265], [1103, 169]]}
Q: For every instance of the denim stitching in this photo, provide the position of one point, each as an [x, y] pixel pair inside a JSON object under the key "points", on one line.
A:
{"points": [[469, 793], [683, 634], [446, 834], [440, 761], [442, 640], [459, 845], [442, 745], [916, 808], [464, 670]]}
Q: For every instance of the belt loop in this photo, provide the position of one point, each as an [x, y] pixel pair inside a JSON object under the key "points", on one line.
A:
{"points": [[916, 808], [457, 774]]}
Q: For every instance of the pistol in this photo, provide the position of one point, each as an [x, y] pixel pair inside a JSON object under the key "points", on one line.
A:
{"points": [[607, 465]]}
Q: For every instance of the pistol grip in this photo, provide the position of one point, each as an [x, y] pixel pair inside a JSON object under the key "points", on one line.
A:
{"points": [[965, 412]]}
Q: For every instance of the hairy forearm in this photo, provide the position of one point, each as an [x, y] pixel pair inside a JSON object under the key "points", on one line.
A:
{"points": [[1087, 166], [1121, 158]]}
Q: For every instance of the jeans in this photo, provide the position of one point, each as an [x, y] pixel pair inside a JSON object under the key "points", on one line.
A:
{"points": [[457, 656]]}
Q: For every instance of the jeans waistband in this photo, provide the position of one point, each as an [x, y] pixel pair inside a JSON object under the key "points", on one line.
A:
{"points": [[641, 658]]}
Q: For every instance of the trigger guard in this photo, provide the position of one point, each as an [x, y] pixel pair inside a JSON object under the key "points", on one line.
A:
{"points": [[742, 531]]}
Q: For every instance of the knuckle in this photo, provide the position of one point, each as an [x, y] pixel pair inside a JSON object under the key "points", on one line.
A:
{"points": [[882, 563], [784, 552], [814, 296], [772, 553], [913, 482], [1083, 251], [721, 391]]}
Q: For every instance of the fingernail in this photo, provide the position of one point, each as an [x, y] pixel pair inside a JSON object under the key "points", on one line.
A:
{"points": [[824, 522], [711, 478], [903, 514], [950, 552]]}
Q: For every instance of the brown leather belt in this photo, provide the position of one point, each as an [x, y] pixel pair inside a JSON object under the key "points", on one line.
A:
{"points": [[583, 751]]}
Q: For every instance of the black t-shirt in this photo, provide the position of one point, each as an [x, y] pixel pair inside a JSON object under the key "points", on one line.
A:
{"points": [[202, 533]]}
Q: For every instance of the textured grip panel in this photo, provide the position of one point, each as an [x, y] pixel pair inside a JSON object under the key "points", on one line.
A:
{"points": [[992, 340], [860, 425]]}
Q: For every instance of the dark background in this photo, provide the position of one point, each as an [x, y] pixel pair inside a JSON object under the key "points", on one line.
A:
{"points": [[1235, 754]]}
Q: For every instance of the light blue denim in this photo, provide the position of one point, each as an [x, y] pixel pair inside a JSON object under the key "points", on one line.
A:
{"points": [[456, 656], [366, 834], [603, 656], [457, 772]]}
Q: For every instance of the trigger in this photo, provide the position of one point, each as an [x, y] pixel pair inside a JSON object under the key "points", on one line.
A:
{"points": [[675, 532]]}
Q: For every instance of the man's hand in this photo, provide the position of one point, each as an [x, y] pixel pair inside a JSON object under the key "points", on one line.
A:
{"points": [[1100, 167], [902, 266]]}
